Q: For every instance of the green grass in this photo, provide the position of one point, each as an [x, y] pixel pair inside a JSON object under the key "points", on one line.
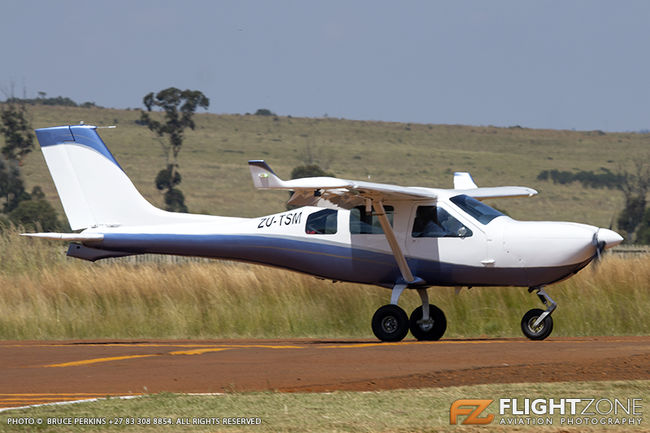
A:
{"points": [[216, 179], [421, 410], [44, 295]]}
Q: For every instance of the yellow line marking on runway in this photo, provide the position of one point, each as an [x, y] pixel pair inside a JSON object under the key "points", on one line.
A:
{"points": [[309, 344], [198, 351], [97, 360]]}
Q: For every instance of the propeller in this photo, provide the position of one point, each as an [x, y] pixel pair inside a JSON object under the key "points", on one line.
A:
{"points": [[600, 247]]}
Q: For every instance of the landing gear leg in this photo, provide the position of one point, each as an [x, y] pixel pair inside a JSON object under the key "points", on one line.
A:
{"points": [[390, 322], [428, 322], [538, 324]]}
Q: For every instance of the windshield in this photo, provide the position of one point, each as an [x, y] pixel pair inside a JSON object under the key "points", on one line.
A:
{"points": [[480, 211]]}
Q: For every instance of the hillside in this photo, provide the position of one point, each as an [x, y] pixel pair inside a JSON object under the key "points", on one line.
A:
{"points": [[216, 178]]}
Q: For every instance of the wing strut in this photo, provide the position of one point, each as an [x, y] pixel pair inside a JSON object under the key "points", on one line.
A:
{"points": [[407, 275]]}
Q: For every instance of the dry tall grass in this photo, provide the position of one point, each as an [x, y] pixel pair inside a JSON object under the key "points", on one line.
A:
{"points": [[45, 295]]}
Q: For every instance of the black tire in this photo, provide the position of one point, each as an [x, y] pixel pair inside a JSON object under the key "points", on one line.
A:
{"points": [[390, 323], [431, 332], [542, 331]]}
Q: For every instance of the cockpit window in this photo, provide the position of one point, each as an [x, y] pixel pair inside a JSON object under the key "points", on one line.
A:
{"points": [[480, 211], [322, 222], [435, 222], [362, 223]]}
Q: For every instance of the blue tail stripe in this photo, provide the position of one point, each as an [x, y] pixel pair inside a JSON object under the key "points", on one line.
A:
{"points": [[79, 134], [53, 136], [88, 136]]}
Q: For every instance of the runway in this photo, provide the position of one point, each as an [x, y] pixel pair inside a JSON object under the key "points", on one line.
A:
{"points": [[37, 372]]}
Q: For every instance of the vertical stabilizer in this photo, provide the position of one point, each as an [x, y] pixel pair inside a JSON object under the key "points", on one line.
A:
{"points": [[93, 188], [463, 180]]}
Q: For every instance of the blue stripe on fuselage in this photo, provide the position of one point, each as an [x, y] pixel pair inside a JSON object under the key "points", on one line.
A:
{"points": [[321, 259], [332, 261]]}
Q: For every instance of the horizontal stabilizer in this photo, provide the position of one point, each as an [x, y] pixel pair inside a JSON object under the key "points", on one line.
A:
{"points": [[68, 237]]}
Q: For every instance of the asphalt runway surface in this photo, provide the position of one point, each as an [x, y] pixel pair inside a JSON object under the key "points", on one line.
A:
{"points": [[35, 372]]}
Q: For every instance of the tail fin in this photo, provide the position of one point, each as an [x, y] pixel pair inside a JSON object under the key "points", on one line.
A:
{"points": [[463, 180], [93, 188], [263, 175]]}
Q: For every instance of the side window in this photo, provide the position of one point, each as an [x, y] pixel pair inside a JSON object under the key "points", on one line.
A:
{"points": [[363, 223], [435, 222], [322, 222]]}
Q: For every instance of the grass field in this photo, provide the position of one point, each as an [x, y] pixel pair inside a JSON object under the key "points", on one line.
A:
{"points": [[421, 410], [216, 179], [44, 295]]}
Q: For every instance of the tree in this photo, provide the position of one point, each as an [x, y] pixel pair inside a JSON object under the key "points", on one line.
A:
{"points": [[643, 232], [22, 208], [12, 187], [309, 170], [178, 107], [19, 140], [264, 112], [35, 214], [635, 189]]}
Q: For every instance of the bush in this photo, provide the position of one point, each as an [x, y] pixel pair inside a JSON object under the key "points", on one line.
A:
{"points": [[588, 179], [311, 170], [264, 112], [35, 214]]}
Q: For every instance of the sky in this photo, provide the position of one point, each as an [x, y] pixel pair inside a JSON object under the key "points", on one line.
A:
{"points": [[540, 64]]}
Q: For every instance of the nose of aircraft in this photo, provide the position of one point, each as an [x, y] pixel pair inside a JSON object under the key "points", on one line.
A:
{"points": [[610, 237], [548, 244]]}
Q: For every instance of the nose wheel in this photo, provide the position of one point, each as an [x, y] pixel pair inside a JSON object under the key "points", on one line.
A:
{"points": [[538, 324], [533, 331]]}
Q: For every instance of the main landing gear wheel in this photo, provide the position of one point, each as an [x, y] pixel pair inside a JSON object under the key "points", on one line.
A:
{"points": [[542, 330], [390, 323], [431, 330]]}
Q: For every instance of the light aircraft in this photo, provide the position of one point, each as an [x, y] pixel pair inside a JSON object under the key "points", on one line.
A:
{"points": [[386, 235]]}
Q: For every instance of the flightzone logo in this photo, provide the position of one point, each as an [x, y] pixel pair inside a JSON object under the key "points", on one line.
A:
{"points": [[471, 410], [548, 411]]}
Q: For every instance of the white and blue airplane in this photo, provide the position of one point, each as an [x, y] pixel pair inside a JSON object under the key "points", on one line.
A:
{"points": [[386, 235]]}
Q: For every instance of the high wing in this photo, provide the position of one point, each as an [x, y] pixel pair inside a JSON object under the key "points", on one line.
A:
{"points": [[341, 192], [498, 192], [350, 193], [464, 184]]}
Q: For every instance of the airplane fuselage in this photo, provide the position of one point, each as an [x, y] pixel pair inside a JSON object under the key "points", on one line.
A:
{"points": [[502, 252]]}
